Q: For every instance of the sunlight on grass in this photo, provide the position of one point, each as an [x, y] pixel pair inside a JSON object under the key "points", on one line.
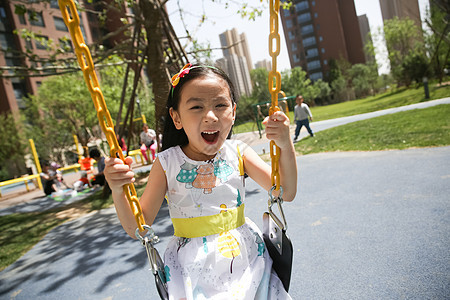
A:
{"points": [[428, 127]]}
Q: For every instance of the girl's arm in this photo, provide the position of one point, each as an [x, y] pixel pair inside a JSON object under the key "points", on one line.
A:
{"points": [[277, 129], [118, 174]]}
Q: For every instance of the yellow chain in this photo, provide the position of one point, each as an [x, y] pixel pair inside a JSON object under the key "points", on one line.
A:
{"points": [[72, 20], [274, 77]]}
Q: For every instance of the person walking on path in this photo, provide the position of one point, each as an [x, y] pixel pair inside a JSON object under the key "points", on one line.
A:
{"points": [[301, 114]]}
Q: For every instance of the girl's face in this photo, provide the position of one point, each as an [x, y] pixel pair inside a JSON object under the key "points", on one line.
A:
{"points": [[206, 113]]}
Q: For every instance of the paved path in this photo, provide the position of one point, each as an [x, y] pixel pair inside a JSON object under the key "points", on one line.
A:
{"points": [[365, 225]]}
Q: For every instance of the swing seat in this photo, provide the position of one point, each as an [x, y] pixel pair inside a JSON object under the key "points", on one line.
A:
{"points": [[280, 248]]}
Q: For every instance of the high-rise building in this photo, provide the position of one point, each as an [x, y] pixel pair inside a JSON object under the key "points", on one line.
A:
{"points": [[234, 43], [366, 38], [317, 31], [264, 64], [237, 61], [401, 9], [236, 68]]}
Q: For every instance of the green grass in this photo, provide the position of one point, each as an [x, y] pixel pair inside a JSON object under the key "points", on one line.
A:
{"points": [[427, 127], [386, 100], [20, 232]]}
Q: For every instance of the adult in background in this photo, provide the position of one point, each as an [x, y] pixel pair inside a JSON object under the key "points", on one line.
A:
{"points": [[148, 141], [301, 114], [99, 177]]}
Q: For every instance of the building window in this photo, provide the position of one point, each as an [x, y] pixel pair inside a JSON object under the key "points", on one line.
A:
{"points": [[315, 15], [289, 23], [313, 52], [54, 4], [313, 3], [320, 38], [20, 91], [36, 19], [304, 18], [325, 62], [294, 47], [59, 24], [286, 12], [315, 64], [301, 6], [7, 41], [41, 42], [291, 35], [296, 58], [316, 76], [309, 41], [323, 50], [28, 44], [307, 29], [66, 45]]}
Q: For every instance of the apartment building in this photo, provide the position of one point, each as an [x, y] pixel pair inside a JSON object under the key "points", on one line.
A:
{"points": [[318, 31]]}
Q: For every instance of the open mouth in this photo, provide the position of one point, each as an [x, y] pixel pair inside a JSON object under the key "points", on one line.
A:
{"points": [[210, 136]]}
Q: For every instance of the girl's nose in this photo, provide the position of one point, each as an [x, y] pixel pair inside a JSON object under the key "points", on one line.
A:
{"points": [[210, 116]]}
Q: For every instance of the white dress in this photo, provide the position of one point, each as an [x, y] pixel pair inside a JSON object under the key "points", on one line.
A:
{"points": [[216, 253]]}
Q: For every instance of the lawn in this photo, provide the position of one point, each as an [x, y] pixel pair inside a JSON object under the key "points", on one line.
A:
{"points": [[427, 127]]}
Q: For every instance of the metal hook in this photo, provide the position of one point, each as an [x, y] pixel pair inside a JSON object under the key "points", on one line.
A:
{"points": [[279, 200]]}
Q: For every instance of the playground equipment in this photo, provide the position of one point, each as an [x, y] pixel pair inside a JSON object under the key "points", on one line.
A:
{"points": [[26, 179], [260, 108], [72, 20]]}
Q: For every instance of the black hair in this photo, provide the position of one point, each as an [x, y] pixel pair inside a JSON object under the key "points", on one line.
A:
{"points": [[171, 135], [94, 153]]}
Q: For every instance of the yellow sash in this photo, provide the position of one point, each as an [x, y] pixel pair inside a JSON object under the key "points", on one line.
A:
{"points": [[208, 225]]}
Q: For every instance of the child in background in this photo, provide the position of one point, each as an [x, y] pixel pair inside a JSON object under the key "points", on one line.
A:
{"points": [[216, 253], [81, 183], [148, 142]]}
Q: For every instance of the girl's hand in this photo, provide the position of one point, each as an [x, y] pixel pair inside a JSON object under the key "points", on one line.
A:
{"points": [[117, 173], [277, 129]]}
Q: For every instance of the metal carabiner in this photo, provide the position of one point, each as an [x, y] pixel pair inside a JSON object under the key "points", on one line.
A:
{"points": [[279, 200], [156, 263]]}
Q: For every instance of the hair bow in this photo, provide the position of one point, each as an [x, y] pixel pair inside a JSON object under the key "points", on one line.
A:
{"points": [[183, 71]]}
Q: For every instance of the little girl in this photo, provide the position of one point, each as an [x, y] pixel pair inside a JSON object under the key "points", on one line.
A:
{"points": [[216, 253]]}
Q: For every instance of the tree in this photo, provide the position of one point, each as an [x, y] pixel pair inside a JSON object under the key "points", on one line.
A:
{"points": [[145, 39], [260, 80], [404, 42], [438, 40], [63, 108], [323, 91], [12, 147], [363, 79], [295, 82]]}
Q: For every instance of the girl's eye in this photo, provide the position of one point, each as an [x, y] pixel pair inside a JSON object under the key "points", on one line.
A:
{"points": [[222, 105], [195, 107]]}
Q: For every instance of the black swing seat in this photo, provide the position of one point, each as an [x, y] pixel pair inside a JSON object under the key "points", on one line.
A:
{"points": [[279, 246]]}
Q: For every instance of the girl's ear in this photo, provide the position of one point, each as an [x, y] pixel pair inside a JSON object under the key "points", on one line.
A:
{"points": [[234, 113], [176, 118]]}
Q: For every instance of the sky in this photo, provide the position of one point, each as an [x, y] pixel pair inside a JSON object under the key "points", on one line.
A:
{"points": [[220, 19]]}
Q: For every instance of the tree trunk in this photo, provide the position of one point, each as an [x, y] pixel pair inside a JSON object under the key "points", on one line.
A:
{"points": [[156, 67]]}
